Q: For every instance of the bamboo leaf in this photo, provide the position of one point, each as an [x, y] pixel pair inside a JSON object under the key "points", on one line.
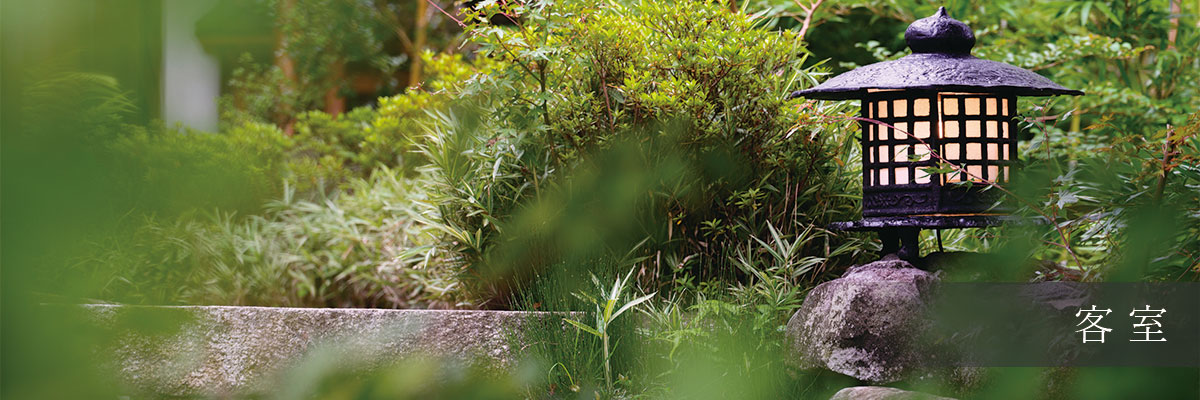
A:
{"points": [[1108, 13], [632, 304], [582, 327]]}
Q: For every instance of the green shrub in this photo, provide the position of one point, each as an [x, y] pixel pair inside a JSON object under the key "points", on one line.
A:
{"points": [[698, 89], [249, 215], [328, 150], [176, 170]]}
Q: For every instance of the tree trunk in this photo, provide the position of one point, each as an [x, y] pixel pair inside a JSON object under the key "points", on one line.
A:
{"points": [[420, 35], [335, 103], [1174, 31], [285, 117]]}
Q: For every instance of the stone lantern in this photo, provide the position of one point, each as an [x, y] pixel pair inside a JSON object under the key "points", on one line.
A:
{"points": [[936, 105]]}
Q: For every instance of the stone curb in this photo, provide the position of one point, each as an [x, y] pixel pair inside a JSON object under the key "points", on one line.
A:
{"points": [[222, 350]]}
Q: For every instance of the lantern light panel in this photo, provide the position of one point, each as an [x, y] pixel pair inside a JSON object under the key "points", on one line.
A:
{"points": [[973, 130]]}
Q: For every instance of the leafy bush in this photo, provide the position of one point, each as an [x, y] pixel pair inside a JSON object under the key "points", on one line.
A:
{"points": [[366, 138], [175, 170], [695, 89], [1130, 208], [364, 49], [328, 217]]}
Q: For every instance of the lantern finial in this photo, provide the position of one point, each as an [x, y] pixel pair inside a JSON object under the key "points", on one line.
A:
{"points": [[939, 34]]}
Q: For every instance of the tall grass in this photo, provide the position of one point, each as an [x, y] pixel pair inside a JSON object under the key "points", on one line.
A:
{"points": [[361, 247]]}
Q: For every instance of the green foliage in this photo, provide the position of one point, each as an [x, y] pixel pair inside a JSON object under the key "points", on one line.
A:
{"points": [[696, 88], [606, 312], [360, 248], [780, 274], [361, 48], [342, 224], [1131, 207], [98, 102], [352, 32], [1119, 159], [357, 142], [652, 133], [174, 170], [343, 371], [327, 151]]}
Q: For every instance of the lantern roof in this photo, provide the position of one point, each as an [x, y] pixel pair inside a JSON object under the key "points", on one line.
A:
{"points": [[941, 60]]}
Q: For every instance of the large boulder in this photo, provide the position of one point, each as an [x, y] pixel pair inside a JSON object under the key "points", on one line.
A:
{"points": [[864, 324]]}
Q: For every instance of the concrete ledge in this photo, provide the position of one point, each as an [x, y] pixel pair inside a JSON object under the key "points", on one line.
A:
{"points": [[213, 350]]}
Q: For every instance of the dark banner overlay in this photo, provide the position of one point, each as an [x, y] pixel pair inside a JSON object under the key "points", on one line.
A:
{"points": [[1063, 324]]}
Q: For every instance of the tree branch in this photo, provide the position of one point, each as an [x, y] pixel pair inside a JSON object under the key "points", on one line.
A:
{"points": [[810, 10]]}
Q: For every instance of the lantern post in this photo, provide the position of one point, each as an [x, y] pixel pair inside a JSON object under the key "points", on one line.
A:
{"points": [[937, 105]]}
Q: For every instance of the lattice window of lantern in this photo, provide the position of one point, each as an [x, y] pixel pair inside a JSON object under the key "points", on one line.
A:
{"points": [[979, 134], [897, 150]]}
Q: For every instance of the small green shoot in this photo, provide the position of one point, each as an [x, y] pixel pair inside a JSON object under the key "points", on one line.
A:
{"points": [[605, 315]]}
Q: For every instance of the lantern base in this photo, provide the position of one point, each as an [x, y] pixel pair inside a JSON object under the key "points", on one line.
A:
{"points": [[899, 233]]}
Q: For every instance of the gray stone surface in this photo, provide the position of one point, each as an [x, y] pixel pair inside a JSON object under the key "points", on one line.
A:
{"points": [[863, 324], [882, 393], [221, 351]]}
